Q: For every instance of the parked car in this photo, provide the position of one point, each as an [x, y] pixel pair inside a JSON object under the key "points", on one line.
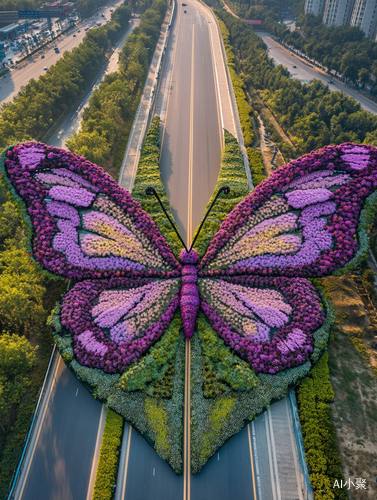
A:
{"points": [[45, 69], [295, 66], [185, 11], [330, 81], [42, 57]]}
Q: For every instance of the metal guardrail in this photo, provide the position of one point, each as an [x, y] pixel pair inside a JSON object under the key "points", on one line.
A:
{"points": [[309, 494], [15, 477]]}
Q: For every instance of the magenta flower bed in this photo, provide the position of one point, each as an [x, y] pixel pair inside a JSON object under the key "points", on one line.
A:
{"points": [[92, 345], [292, 342], [351, 173], [82, 181]]}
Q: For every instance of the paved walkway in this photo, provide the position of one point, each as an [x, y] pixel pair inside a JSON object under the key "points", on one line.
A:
{"points": [[141, 122]]}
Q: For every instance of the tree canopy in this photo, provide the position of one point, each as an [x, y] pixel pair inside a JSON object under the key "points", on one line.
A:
{"points": [[312, 114]]}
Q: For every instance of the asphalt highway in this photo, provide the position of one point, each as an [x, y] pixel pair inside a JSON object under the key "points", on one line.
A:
{"points": [[62, 467], [34, 67], [192, 141], [306, 71]]}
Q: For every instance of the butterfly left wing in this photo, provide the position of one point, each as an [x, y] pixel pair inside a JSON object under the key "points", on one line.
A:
{"points": [[113, 322], [80, 222], [301, 221], [267, 321]]}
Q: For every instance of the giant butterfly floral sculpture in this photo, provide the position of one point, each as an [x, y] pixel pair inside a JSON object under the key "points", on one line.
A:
{"points": [[126, 286]]}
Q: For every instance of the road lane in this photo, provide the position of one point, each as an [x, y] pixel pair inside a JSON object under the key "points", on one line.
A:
{"points": [[192, 62], [149, 477], [305, 71], [62, 462], [33, 67], [227, 475]]}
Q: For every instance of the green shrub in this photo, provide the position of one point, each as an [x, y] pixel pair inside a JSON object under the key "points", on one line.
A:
{"points": [[108, 458], [256, 166], [221, 363], [148, 175], [141, 375], [318, 431]]}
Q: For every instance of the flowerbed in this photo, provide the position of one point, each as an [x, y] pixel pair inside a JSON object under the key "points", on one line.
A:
{"points": [[148, 175], [232, 173], [119, 328], [292, 307], [127, 340]]}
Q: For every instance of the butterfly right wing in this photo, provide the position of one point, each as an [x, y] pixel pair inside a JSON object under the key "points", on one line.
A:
{"points": [[268, 322], [301, 221]]}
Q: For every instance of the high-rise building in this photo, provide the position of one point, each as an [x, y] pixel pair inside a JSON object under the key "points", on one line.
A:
{"points": [[337, 12], [315, 7], [364, 15]]}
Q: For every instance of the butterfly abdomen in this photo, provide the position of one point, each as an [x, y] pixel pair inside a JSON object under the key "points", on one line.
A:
{"points": [[189, 293], [189, 299]]}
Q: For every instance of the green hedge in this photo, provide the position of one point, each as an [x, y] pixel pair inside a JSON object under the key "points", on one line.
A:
{"points": [[321, 449], [256, 166], [148, 175], [108, 458], [244, 110]]}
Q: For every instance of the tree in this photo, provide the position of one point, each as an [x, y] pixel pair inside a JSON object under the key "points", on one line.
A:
{"points": [[364, 76], [21, 291], [17, 358]]}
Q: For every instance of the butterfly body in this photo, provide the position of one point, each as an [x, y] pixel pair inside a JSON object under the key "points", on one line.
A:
{"points": [[189, 299]]}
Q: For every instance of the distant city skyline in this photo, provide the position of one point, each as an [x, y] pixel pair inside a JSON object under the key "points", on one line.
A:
{"points": [[361, 13]]}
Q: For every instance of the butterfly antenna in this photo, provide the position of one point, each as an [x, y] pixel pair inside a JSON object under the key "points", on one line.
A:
{"points": [[225, 190], [149, 191]]}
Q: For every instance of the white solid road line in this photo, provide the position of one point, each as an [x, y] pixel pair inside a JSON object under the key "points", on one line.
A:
{"points": [[191, 145], [270, 460], [259, 496], [123, 463], [93, 471], [30, 453], [294, 449]]}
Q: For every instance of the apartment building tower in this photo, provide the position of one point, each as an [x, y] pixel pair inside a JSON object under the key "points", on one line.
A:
{"points": [[337, 12], [316, 7], [364, 15]]}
